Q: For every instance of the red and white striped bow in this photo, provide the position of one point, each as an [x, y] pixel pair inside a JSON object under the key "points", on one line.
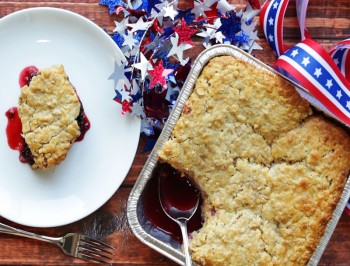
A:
{"points": [[325, 75]]}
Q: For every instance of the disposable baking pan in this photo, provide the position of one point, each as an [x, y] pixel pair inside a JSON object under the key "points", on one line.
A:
{"points": [[142, 227]]}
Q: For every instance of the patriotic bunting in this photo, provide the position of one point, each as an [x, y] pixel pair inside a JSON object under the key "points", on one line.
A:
{"points": [[319, 75], [340, 55], [272, 15], [325, 75]]}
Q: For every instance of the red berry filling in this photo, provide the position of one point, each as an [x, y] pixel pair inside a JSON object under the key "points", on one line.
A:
{"points": [[14, 136], [26, 75], [83, 123]]}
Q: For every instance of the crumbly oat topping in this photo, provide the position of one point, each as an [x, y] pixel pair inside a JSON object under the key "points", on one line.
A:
{"points": [[48, 109], [270, 169]]}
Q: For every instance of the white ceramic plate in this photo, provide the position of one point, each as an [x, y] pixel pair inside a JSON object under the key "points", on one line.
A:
{"points": [[94, 168]]}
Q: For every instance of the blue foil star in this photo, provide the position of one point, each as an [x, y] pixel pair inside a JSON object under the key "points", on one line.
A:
{"points": [[187, 15], [152, 5], [112, 4], [118, 39], [127, 72], [139, 34], [168, 65], [230, 26], [143, 6], [118, 96], [241, 39], [136, 97]]}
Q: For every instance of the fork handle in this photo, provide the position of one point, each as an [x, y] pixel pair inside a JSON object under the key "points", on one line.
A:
{"points": [[6, 229]]}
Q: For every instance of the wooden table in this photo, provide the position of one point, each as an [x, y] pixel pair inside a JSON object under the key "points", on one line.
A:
{"points": [[328, 23]]}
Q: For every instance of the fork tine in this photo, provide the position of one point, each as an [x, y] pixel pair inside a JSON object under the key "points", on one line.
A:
{"points": [[93, 250], [86, 251], [94, 247], [91, 258], [90, 240]]}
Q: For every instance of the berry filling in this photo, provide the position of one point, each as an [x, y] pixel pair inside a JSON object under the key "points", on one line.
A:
{"points": [[161, 225], [26, 75], [83, 123], [26, 155]]}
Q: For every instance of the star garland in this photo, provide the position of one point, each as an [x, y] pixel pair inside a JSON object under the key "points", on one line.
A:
{"points": [[155, 36]]}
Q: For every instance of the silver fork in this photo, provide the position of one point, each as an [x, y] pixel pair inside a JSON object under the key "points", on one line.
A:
{"points": [[72, 244]]}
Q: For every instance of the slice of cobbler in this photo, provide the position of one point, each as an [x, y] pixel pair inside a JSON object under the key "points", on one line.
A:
{"points": [[49, 109]]}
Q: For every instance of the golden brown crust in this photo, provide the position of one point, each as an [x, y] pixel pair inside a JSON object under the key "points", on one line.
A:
{"points": [[271, 170], [48, 109]]}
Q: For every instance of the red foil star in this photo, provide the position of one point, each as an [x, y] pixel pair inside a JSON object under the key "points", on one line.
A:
{"points": [[185, 33], [158, 75], [210, 15], [126, 107], [155, 27]]}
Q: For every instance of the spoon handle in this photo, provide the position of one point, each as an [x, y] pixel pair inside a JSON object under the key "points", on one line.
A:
{"points": [[183, 226]]}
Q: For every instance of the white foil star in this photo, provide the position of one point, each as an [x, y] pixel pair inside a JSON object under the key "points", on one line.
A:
{"points": [[118, 76], [249, 13], [137, 110], [209, 3], [139, 25], [170, 12], [179, 50], [125, 95], [129, 41], [142, 66], [121, 26], [224, 7], [135, 4], [207, 34], [199, 9]]}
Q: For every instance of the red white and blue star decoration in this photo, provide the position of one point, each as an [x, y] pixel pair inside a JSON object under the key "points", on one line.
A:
{"points": [[155, 36]]}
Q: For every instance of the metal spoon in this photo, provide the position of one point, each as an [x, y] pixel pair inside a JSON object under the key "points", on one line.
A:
{"points": [[178, 206]]}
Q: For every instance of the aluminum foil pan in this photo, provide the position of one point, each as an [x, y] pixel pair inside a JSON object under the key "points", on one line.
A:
{"points": [[137, 220]]}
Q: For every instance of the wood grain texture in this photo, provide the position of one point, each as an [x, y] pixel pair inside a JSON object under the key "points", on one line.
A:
{"points": [[328, 22]]}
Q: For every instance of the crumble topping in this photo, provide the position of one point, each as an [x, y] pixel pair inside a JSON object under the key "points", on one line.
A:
{"points": [[48, 109]]}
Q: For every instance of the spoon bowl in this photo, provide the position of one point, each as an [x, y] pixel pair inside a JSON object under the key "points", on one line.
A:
{"points": [[179, 200]]}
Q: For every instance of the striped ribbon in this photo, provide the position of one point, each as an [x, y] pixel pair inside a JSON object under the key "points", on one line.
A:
{"points": [[326, 75]]}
